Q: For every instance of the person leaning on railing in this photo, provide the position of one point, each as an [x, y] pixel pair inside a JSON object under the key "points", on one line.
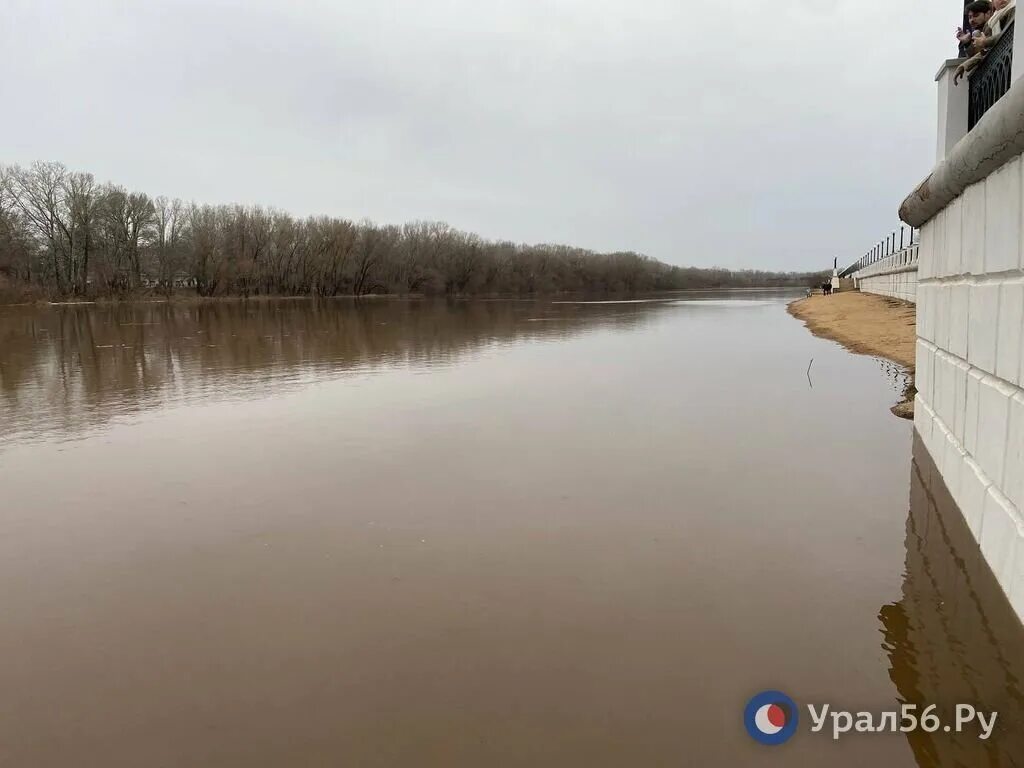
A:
{"points": [[998, 17], [976, 16]]}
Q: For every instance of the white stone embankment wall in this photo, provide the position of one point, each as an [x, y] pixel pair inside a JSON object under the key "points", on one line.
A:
{"points": [[894, 276], [969, 409]]}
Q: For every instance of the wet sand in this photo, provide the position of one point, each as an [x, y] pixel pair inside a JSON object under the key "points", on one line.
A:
{"points": [[868, 325]]}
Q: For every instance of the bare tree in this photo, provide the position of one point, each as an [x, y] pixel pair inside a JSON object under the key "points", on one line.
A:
{"points": [[168, 232], [67, 234], [39, 192], [372, 247], [16, 249]]}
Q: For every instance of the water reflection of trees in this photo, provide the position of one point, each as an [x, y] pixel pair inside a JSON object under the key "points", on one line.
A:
{"points": [[953, 637], [71, 367]]}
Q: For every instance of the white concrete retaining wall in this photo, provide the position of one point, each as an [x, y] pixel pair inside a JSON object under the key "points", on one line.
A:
{"points": [[970, 326], [895, 276]]}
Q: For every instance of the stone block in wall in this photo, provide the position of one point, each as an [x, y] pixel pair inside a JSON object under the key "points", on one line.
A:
{"points": [[945, 389], [971, 409], [923, 418], [993, 422], [960, 375], [924, 312], [936, 307], [923, 369], [953, 242], [973, 492], [959, 312], [984, 315], [926, 251], [939, 244], [973, 229], [1010, 333], [1013, 474], [942, 393], [940, 437], [1001, 530], [951, 463], [943, 295], [1002, 218]]}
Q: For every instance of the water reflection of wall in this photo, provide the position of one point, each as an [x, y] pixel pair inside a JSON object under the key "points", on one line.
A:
{"points": [[953, 637], [68, 368]]}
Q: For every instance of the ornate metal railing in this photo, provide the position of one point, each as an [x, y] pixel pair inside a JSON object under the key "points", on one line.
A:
{"points": [[894, 243], [991, 79]]}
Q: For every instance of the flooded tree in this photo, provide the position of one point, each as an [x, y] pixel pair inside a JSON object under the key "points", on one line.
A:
{"points": [[63, 234]]}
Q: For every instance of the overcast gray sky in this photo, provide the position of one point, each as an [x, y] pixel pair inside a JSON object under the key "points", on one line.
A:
{"points": [[747, 134]]}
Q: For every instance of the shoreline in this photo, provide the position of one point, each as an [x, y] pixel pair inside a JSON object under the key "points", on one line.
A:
{"points": [[866, 324], [192, 298]]}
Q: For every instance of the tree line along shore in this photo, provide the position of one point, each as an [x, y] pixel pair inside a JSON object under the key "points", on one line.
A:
{"points": [[65, 235]]}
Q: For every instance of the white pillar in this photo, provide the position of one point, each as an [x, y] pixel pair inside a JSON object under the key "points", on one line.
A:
{"points": [[952, 108]]}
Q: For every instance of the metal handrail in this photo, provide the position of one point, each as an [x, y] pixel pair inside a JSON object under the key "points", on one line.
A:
{"points": [[991, 80], [884, 248]]}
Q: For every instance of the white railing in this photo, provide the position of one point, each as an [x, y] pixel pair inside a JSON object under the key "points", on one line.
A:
{"points": [[901, 261]]}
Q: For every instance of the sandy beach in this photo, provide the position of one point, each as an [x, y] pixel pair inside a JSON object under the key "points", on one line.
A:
{"points": [[868, 325]]}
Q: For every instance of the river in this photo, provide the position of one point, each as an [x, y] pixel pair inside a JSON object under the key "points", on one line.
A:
{"points": [[472, 533]]}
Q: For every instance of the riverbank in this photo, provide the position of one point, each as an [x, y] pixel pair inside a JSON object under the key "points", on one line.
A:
{"points": [[191, 297], [869, 325]]}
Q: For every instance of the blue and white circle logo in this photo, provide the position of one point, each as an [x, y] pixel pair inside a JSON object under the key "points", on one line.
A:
{"points": [[771, 717]]}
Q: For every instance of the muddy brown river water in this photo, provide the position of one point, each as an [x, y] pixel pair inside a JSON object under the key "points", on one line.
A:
{"points": [[473, 533]]}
